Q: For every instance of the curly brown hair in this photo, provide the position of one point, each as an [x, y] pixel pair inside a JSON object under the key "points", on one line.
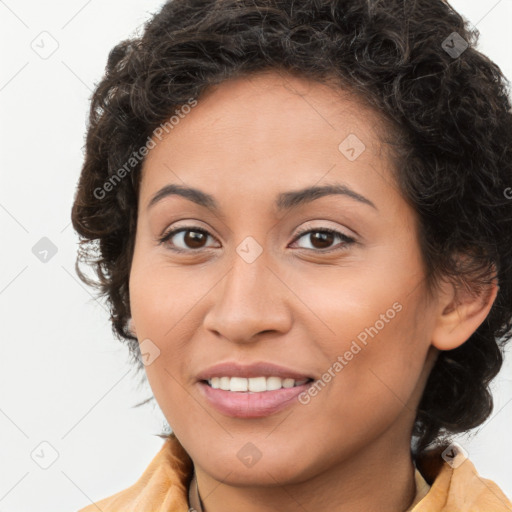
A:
{"points": [[415, 63]]}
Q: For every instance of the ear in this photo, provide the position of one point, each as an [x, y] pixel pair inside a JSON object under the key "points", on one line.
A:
{"points": [[461, 312]]}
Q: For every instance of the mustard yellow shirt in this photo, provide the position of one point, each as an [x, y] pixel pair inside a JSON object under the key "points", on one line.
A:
{"points": [[164, 486]]}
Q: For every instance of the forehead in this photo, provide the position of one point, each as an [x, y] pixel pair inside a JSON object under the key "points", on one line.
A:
{"points": [[268, 101], [265, 128]]}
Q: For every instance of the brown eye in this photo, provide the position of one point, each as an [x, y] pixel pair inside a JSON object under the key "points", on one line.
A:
{"points": [[322, 239], [194, 239], [186, 238]]}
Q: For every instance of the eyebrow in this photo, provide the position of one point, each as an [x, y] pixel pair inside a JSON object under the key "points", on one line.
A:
{"points": [[284, 201]]}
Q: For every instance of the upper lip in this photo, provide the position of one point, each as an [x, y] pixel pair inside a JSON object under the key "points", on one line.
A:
{"points": [[261, 369]]}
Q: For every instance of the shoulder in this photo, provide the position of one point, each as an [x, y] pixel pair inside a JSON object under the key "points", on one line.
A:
{"points": [[162, 486], [456, 485]]}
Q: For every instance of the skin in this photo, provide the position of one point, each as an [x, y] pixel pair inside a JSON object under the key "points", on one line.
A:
{"points": [[248, 140]]}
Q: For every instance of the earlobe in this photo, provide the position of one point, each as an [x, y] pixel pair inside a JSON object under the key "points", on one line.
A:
{"points": [[461, 313]]}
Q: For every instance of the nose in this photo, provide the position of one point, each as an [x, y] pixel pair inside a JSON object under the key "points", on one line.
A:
{"points": [[250, 300]]}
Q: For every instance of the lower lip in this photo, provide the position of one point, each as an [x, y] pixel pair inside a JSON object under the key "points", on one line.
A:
{"points": [[251, 405]]}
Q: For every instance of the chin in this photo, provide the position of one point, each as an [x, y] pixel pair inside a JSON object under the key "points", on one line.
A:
{"points": [[268, 471]]}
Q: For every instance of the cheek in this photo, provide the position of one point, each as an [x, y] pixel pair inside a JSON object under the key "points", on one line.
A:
{"points": [[377, 360], [162, 296], [162, 301], [373, 339]]}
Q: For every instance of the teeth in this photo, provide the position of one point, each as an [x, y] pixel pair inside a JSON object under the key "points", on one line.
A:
{"points": [[288, 383], [257, 384], [223, 383], [253, 384], [238, 384], [274, 383]]}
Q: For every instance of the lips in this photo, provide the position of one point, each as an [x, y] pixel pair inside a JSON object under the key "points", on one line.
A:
{"points": [[247, 405]]}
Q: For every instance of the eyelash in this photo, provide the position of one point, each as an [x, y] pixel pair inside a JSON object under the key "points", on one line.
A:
{"points": [[347, 241]]}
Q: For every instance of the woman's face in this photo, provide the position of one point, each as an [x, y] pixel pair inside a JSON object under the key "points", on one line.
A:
{"points": [[258, 279]]}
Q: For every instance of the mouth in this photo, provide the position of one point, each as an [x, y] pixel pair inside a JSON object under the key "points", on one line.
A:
{"points": [[255, 397], [252, 390]]}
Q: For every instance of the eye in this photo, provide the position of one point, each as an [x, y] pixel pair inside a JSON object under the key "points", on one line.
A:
{"points": [[191, 237], [322, 238]]}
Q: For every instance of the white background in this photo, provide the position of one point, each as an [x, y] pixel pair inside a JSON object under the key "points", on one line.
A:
{"points": [[64, 379]]}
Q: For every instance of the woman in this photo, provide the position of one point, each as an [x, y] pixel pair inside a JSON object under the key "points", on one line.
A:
{"points": [[306, 241]]}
